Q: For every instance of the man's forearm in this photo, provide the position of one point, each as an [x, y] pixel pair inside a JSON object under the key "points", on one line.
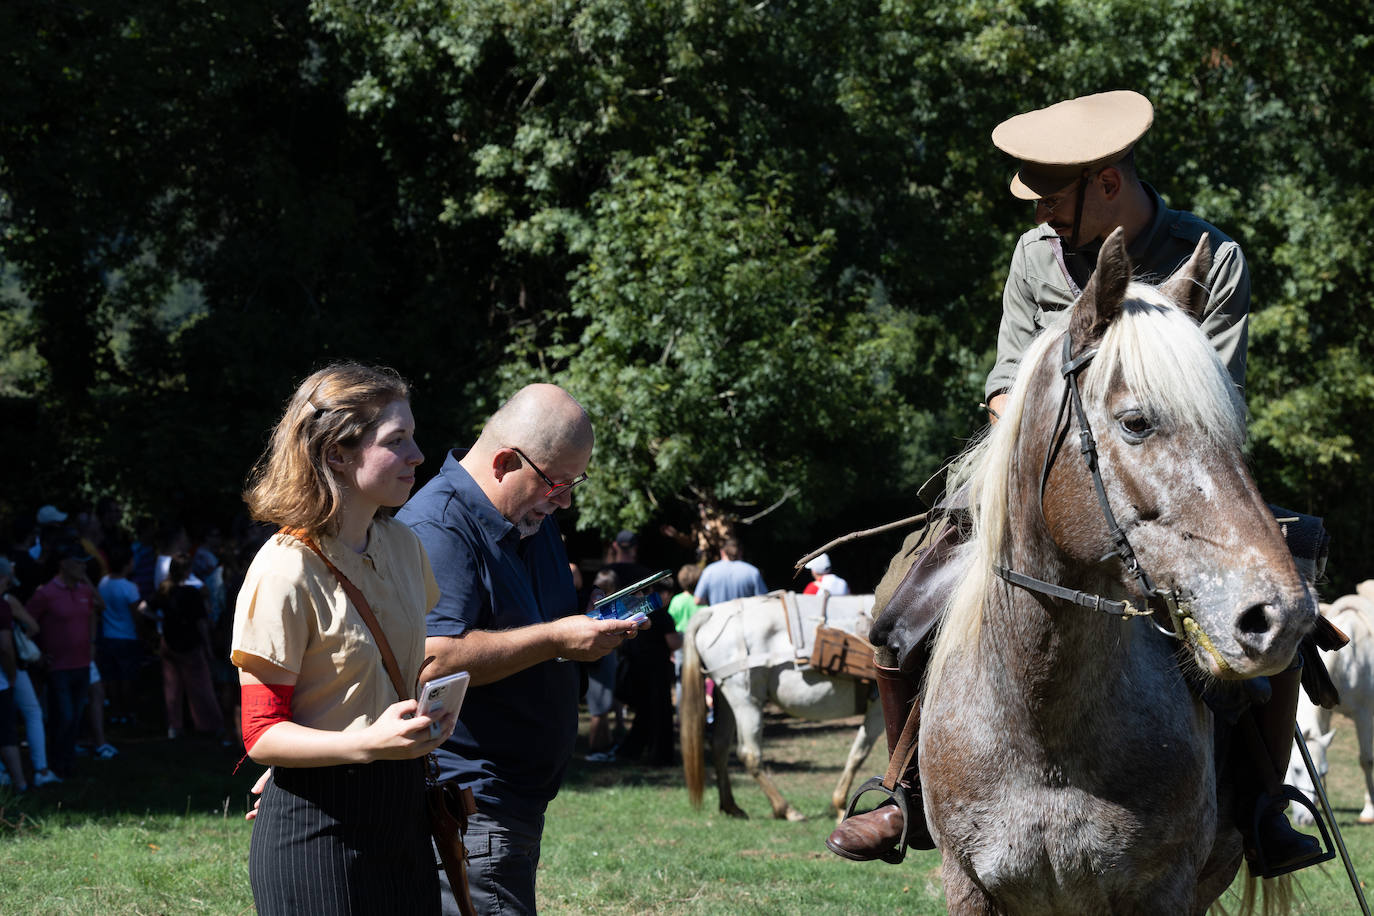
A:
{"points": [[490, 655]]}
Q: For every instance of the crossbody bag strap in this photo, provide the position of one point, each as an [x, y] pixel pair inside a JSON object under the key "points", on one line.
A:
{"points": [[364, 609]]}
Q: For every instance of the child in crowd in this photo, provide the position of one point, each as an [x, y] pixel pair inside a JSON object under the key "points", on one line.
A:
{"points": [[684, 603], [119, 652]]}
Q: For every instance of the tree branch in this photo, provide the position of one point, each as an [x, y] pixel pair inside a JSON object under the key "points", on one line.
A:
{"points": [[791, 491], [859, 535]]}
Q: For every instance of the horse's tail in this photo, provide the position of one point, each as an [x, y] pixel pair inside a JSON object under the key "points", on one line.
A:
{"points": [[691, 711], [1274, 897]]}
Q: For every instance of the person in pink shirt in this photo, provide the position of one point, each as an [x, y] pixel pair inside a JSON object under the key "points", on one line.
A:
{"points": [[66, 608]]}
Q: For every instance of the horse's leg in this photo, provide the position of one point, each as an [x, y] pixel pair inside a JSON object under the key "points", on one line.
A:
{"points": [[869, 730], [749, 717], [1364, 728], [962, 896], [722, 739]]}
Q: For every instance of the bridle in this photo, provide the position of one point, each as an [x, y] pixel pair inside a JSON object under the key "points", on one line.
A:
{"points": [[1174, 605]]}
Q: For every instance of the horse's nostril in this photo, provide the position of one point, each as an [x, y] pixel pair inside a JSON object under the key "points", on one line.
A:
{"points": [[1254, 620]]}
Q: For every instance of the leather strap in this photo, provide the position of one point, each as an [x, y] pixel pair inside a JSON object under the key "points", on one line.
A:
{"points": [[905, 749], [1328, 636], [364, 610], [1080, 598]]}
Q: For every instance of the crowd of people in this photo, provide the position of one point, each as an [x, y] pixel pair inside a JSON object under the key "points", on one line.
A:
{"points": [[100, 628], [134, 632]]}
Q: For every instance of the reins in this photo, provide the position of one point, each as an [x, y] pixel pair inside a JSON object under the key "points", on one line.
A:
{"points": [[1174, 602]]}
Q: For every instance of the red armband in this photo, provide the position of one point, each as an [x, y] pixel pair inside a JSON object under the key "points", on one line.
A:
{"points": [[264, 705]]}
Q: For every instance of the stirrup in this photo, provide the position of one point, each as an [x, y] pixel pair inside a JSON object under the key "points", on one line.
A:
{"points": [[1260, 866], [899, 796]]}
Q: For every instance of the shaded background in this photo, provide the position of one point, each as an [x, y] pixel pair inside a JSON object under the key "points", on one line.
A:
{"points": [[764, 243]]}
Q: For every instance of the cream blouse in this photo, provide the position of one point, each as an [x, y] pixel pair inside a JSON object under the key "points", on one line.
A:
{"points": [[293, 612]]}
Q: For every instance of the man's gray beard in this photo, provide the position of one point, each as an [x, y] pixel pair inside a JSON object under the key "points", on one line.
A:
{"points": [[527, 528]]}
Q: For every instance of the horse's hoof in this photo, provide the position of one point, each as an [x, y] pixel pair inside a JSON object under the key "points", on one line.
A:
{"points": [[736, 812], [794, 815], [1366, 819]]}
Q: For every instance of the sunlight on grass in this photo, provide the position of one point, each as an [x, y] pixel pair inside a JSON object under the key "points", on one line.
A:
{"points": [[160, 830]]}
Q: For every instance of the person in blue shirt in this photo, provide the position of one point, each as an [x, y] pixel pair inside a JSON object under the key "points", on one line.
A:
{"points": [[508, 615], [729, 578]]}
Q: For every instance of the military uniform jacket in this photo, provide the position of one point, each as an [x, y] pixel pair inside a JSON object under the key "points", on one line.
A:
{"points": [[1043, 283]]}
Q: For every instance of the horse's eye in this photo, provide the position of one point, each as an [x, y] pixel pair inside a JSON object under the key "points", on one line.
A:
{"points": [[1135, 425]]}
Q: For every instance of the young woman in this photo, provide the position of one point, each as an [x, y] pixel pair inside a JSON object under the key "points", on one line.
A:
{"points": [[341, 827]]}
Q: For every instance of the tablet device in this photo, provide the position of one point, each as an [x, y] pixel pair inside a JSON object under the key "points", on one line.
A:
{"points": [[441, 695]]}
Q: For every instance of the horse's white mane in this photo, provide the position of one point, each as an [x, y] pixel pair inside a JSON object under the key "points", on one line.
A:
{"points": [[1161, 355], [1166, 361]]}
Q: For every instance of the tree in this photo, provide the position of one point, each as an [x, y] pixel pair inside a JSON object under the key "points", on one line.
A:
{"points": [[201, 206], [194, 222], [718, 372]]}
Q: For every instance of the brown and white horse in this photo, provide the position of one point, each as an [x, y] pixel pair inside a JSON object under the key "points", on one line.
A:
{"points": [[1067, 765]]}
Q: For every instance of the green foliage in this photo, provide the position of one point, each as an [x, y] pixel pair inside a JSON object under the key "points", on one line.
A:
{"points": [[193, 222], [612, 192], [718, 372]]}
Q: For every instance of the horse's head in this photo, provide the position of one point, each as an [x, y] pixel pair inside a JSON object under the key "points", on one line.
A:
{"points": [[1169, 428]]}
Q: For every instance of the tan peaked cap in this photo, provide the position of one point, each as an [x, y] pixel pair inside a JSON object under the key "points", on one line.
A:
{"points": [[1057, 143]]}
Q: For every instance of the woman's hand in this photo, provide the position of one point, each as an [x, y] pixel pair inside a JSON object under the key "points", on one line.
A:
{"points": [[258, 788], [399, 734]]}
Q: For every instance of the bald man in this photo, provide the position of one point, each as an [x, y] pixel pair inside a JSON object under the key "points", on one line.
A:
{"points": [[508, 615]]}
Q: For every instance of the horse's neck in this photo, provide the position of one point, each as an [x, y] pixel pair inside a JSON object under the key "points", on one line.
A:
{"points": [[1050, 648]]}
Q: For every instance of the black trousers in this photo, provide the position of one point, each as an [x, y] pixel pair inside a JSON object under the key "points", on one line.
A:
{"points": [[344, 840]]}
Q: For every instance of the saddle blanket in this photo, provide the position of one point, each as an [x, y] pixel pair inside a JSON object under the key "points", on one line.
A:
{"points": [[791, 639], [849, 613]]}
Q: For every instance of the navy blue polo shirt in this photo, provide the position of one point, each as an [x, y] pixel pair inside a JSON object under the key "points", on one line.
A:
{"points": [[515, 736]]}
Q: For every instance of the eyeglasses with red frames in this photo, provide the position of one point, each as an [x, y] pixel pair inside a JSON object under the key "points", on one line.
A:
{"points": [[554, 488]]}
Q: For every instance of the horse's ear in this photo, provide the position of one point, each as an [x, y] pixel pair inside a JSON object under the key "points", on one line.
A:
{"points": [[1101, 300], [1188, 285]]}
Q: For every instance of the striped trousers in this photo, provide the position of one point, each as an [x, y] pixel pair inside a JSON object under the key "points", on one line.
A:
{"points": [[344, 840]]}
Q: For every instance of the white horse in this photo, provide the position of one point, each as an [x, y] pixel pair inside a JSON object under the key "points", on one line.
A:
{"points": [[1352, 671], [744, 646]]}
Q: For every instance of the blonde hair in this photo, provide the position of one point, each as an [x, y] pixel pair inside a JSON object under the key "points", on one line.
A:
{"points": [[291, 485]]}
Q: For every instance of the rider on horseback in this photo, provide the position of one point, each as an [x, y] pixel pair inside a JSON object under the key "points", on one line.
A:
{"points": [[1077, 164]]}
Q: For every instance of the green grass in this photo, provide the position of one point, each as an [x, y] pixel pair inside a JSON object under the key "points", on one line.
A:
{"points": [[160, 829]]}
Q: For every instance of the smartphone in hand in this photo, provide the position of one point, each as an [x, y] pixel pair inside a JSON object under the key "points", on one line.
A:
{"points": [[442, 695]]}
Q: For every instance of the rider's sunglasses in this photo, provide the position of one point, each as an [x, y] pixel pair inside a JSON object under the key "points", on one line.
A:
{"points": [[1052, 202], [1065, 195], [554, 488]]}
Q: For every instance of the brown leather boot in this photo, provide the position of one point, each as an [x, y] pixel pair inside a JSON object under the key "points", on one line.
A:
{"points": [[877, 834], [1271, 844]]}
